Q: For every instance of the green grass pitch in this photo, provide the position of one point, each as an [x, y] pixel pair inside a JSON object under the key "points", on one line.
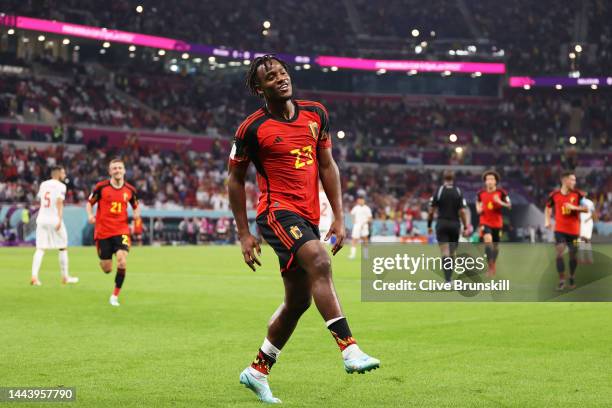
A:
{"points": [[193, 317]]}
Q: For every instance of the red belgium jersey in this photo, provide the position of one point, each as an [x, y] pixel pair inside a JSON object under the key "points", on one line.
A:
{"points": [[112, 213], [491, 214], [566, 221], [284, 153]]}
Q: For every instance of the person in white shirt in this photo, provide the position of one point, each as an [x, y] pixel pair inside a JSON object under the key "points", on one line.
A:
{"points": [[586, 230], [362, 216], [326, 218], [50, 228]]}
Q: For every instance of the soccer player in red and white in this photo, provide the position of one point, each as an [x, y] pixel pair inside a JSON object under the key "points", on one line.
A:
{"points": [[112, 231], [566, 203], [288, 142], [50, 229], [489, 204]]}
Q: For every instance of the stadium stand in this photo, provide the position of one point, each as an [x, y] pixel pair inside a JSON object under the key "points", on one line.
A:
{"points": [[535, 37]]}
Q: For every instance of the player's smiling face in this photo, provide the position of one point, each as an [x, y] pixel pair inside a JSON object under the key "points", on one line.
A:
{"points": [[274, 81], [116, 170]]}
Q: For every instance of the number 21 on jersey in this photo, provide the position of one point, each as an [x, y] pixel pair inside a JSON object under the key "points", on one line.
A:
{"points": [[115, 207]]}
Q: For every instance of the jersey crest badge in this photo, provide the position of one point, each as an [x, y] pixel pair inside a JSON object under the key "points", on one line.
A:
{"points": [[295, 231], [314, 129]]}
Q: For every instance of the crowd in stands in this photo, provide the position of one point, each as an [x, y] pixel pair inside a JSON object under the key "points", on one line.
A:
{"points": [[164, 179], [173, 180], [520, 121], [78, 99], [397, 18], [304, 27], [211, 105], [532, 35]]}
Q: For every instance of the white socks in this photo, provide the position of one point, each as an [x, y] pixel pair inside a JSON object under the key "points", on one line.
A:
{"points": [[332, 321], [270, 349], [63, 261], [38, 258], [36, 262], [352, 352], [353, 252]]}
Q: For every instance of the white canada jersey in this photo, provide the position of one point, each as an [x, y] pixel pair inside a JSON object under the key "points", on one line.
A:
{"points": [[361, 214], [48, 194]]}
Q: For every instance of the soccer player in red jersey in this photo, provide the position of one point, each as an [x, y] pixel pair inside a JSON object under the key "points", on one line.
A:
{"points": [[489, 204], [112, 231], [288, 142], [566, 202]]}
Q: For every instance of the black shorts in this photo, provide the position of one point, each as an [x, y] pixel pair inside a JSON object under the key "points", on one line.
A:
{"points": [[108, 246], [286, 232], [569, 239], [447, 231], [496, 233]]}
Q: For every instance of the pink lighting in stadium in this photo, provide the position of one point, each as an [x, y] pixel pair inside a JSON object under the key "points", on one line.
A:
{"points": [[519, 82], [101, 34], [408, 65]]}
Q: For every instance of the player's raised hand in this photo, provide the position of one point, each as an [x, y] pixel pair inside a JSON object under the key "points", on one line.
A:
{"points": [[250, 250], [337, 229]]}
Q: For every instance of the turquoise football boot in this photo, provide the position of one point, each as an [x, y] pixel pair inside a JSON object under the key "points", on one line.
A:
{"points": [[258, 383], [361, 364]]}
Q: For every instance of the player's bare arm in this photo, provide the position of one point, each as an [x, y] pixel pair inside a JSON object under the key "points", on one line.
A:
{"points": [[90, 215], [547, 216], [430, 216], [60, 213], [237, 197], [137, 212], [330, 178], [464, 220], [479, 207], [577, 208]]}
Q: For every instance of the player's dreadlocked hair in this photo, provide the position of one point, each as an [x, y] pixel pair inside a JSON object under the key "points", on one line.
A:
{"points": [[251, 79]]}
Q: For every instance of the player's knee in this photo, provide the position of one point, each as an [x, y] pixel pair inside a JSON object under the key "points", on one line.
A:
{"points": [[121, 263], [322, 264]]}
